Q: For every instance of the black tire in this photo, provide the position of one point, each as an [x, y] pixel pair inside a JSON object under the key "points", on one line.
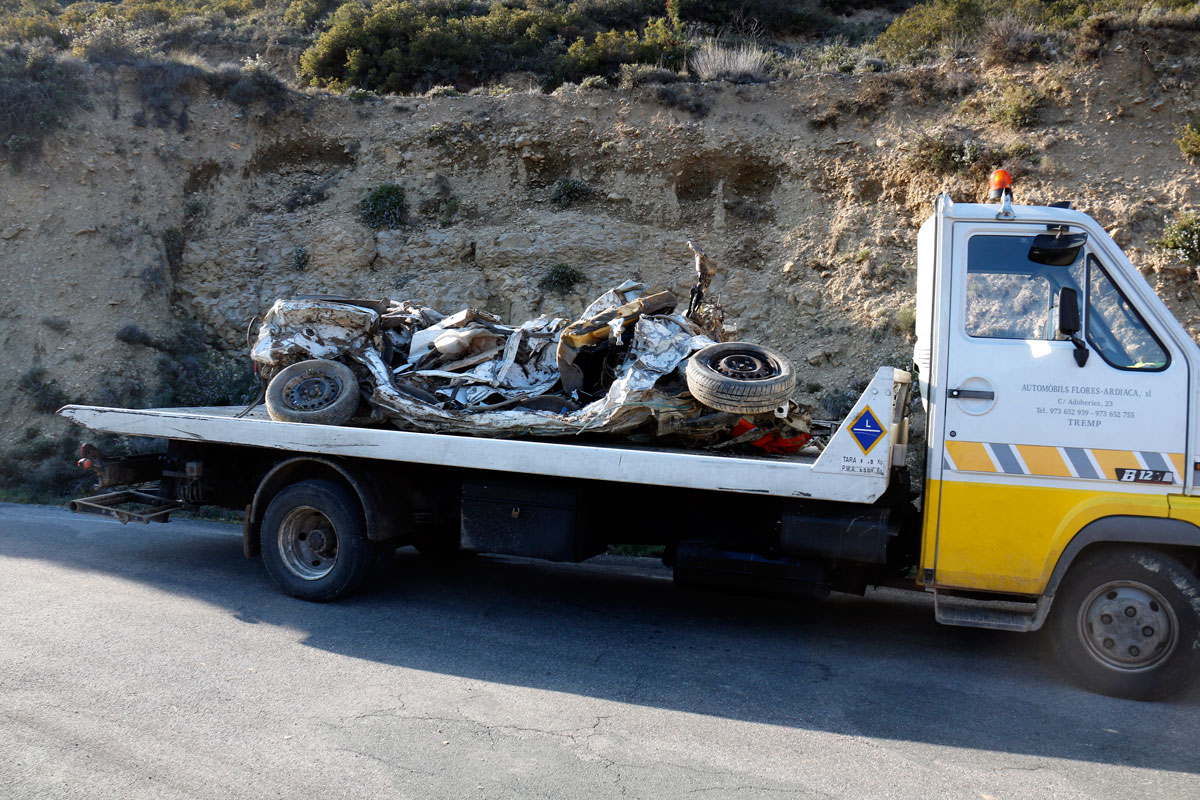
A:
{"points": [[318, 392], [1123, 623], [304, 566], [740, 377]]}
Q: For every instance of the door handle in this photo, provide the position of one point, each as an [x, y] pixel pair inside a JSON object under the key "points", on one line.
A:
{"points": [[972, 394]]}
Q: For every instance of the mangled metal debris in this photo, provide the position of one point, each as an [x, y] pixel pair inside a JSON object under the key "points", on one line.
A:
{"points": [[629, 365]]}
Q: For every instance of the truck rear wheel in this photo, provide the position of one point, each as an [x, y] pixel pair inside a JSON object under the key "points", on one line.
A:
{"points": [[314, 541], [1124, 623]]}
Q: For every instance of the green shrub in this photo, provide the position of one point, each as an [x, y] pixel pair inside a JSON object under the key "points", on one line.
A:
{"points": [[1188, 139], [948, 153], [132, 334], [30, 21], [200, 376], [771, 16], [927, 29], [300, 258], [569, 190], [634, 75], [413, 45], [594, 82], [40, 468], [658, 44], [38, 93], [173, 242], [917, 34], [303, 14], [164, 88], [45, 392], [1017, 106], [1182, 239], [110, 42], [254, 82], [835, 55], [560, 279], [447, 210], [687, 97], [384, 206], [1012, 40]]}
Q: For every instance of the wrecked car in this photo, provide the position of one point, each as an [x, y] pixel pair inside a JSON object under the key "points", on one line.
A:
{"points": [[631, 364]]}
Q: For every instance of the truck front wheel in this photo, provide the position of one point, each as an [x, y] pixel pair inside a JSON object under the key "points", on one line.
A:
{"points": [[314, 541], [1126, 623]]}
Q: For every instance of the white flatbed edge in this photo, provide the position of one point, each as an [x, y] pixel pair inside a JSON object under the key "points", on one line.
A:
{"points": [[805, 476]]}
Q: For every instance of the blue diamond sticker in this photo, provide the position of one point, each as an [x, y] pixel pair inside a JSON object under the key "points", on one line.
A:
{"points": [[866, 430]]}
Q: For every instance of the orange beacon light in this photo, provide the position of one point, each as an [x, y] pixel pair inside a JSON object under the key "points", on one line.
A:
{"points": [[1000, 184]]}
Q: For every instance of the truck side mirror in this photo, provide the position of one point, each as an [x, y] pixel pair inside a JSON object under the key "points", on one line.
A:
{"points": [[1068, 311], [1069, 324]]}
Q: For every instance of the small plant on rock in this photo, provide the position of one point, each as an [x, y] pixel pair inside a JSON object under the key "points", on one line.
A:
{"points": [[384, 207], [1188, 139], [132, 334], [560, 279], [47, 395], [38, 92], [569, 190], [1017, 107], [1182, 239], [300, 259], [946, 153]]}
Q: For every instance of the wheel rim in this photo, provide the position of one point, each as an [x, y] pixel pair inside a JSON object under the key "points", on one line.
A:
{"points": [[308, 543], [311, 391], [1128, 626], [745, 366]]}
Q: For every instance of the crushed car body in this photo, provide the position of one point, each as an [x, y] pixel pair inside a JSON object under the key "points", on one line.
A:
{"points": [[629, 365]]}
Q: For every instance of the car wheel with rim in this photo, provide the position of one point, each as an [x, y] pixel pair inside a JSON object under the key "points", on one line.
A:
{"points": [[317, 391], [740, 377]]}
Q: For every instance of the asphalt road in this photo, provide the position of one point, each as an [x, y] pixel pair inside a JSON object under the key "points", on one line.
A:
{"points": [[156, 662]]}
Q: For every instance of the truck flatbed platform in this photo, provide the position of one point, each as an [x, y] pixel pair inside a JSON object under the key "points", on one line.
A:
{"points": [[843, 471]]}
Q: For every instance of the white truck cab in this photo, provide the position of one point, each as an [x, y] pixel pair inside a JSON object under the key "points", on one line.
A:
{"points": [[1061, 399]]}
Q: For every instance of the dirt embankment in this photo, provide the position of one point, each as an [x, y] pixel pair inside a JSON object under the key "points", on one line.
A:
{"points": [[135, 256]]}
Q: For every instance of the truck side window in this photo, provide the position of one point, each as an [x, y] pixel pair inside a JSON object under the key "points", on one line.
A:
{"points": [[1115, 328], [1007, 306], [1009, 296]]}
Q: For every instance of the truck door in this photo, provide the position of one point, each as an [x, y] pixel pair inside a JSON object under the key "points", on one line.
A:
{"points": [[1034, 445]]}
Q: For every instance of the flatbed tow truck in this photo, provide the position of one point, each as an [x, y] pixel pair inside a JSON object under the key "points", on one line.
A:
{"points": [[1061, 454]]}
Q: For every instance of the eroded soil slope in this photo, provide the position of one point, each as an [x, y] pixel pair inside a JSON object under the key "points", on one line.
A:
{"points": [[130, 250]]}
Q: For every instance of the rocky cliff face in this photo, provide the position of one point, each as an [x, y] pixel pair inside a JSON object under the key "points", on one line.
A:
{"points": [[807, 192]]}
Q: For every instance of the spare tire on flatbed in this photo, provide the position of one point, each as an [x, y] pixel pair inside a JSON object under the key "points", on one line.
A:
{"points": [[317, 391], [741, 377]]}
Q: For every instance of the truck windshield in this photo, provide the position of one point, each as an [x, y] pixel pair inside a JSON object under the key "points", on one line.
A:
{"points": [[1115, 328]]}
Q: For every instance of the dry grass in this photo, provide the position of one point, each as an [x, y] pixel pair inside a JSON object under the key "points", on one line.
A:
{"points": [[1012, 40], [742, 64]]}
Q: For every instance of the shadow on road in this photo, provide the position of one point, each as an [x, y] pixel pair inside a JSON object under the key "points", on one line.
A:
{"points": [[874, 667]]}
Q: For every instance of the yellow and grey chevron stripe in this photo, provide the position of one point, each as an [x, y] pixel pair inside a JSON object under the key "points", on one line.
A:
{"points": [[1059, 462]]}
